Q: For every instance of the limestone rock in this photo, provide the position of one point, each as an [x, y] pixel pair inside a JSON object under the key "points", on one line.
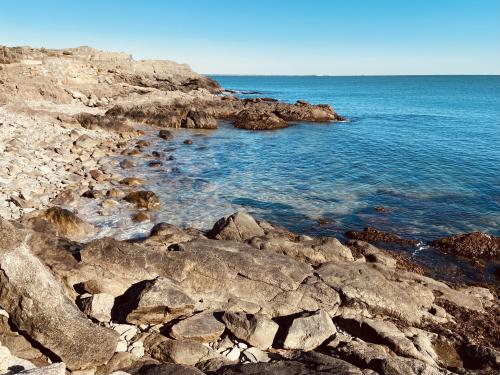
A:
{"points": [[201, 327], [257, 330], [30, 294], [308, 332]]}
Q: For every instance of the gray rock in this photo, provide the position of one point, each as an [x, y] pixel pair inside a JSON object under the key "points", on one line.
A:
{"points": [[308, 332], [238, 227], [165, 369], [201, 327], [37, 305], [257, 329]]}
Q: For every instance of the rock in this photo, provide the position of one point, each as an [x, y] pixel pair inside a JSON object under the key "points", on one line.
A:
{"points": [[98, 306], [85, 142], [310, 331], [257, 120], [54, 369], [480, 357], [10, 363], [140, 217], [237, 227], [233, 354], [31, 294], [379, 289], [143, 199], [314, 251], [115, 193], [374, 235], [304, 364], [165, 134], [201, 327], [184, 352], [188, 142], [475, 245], [255, 355], [257, 330], [62, 223], [373, 254], [154, 164], [383, 332], [132, 181], [110, 123], [157, 301], [165, 369], [97, 175], [127, 164]]}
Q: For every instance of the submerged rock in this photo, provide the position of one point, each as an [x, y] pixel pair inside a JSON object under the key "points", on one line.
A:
{"points": [[374, 235], [473, 245]]}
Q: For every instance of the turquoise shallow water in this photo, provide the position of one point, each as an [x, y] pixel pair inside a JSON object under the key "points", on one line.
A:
{"points": [[426, 148]]}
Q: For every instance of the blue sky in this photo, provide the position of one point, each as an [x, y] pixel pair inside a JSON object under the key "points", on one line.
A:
{"points": [[273, 37]]}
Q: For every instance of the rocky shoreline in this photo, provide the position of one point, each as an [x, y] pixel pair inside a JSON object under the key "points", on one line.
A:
{"points": [[246, 297]]}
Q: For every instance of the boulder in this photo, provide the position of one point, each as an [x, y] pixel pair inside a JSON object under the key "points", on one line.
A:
{"points": [[132, 181], [165, 134], [239, 226], [257, 330], [164, 369], [475, 245], [143, 199], [201, 327], [31, 295], [62, 223], [309, 331]]}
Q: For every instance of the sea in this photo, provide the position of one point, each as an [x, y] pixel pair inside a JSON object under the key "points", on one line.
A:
{"points": [[426, 149]]}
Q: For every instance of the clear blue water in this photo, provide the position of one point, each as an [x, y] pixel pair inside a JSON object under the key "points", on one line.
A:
{"points": [[426, 148]]}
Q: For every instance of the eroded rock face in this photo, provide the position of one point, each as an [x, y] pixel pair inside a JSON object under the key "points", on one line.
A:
{"points": [[30, 294], [473, 245]]}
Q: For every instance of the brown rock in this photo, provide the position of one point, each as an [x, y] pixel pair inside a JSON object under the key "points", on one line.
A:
{"points": [[143, 199], [132, 181], [374, 235], [127, 164], [473, 245], [140, 217], [201, 327]]}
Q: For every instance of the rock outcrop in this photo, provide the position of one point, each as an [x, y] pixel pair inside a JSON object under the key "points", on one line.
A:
{"points": [[475, 245]]}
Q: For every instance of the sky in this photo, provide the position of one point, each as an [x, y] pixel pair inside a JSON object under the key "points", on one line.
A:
{"points": [[293, 37]]}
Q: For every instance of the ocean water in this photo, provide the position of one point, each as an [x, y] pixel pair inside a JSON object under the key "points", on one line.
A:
{"points": [[426, 148]]}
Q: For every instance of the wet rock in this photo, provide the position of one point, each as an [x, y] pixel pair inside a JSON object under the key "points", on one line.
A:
{"points": [[31, 295], [140, 217], [143, 199], [132, 181], [258, 120], [62, 223], [154, 164], [185, 352], [201, 327], [473, 245], [157, 301], [237, 227], [188, 142], [98, 306], [257, 330], [310, 331], [115, 193], [142, 143], [127, 164], [165, 134], [374, 235]]}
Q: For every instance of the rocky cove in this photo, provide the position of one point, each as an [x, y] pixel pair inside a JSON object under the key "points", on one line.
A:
{"points": [[245, 297]]}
